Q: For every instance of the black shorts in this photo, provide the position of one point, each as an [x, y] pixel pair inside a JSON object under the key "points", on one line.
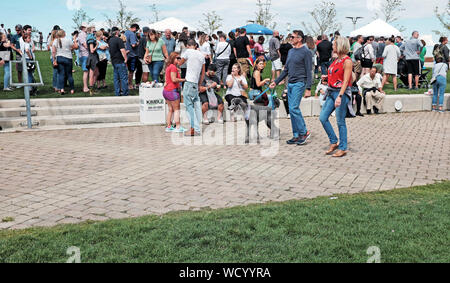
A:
{"points": [[413, 67], [366, 63], [204, 99]]}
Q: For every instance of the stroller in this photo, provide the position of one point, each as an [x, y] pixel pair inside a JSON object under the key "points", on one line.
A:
{"points": [[402, 71]]}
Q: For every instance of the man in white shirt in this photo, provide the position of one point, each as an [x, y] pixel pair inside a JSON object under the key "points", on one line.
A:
{"points": [[195, 74], [370, 86]]}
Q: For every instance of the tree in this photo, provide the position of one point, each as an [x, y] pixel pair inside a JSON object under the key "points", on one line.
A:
{"points": [[324, 16], [80, 17], [124, 19], [155, 13], [211, 22], [444, 19], [263, 16], [390, 10]]}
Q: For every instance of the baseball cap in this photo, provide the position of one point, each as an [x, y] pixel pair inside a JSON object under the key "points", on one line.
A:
{"points": [[114, 29], [145, 29], [84, 25]]}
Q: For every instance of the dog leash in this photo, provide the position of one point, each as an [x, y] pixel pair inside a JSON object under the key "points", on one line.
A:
{"points": [[270, 97]]}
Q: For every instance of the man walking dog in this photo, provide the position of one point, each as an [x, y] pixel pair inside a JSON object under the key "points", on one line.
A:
{"points": [[298, 68]]}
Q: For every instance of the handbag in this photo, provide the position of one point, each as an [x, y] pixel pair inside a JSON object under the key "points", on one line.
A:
{"points": [[212, 99], [5, 55], [149, 57], [433, 79], [102, 56]]}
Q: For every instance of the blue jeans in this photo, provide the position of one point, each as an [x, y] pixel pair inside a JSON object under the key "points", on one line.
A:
{"points": [[341, 112], [155, 69], [193, 105], [55, 75], [77, 54], [324, 67], [295, 95], [120, 79], [439, 88], [64, 71], [6, 76], [30, 74]]}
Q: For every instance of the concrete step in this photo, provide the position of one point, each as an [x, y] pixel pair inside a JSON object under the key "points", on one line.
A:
{"points": [[70, 101], [73, 127], [69, 110], [71, 120]]}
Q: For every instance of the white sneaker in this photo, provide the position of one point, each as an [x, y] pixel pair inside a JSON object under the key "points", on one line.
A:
{"points": [[7, 89], [220, 121], [205, 121]]}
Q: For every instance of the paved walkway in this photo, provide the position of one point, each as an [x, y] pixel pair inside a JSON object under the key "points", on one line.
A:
{"points": [[70, 176]]}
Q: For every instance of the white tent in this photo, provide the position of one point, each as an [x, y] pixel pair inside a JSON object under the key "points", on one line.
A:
{"points": [[173, 24], [428, 38], [377, 28]]}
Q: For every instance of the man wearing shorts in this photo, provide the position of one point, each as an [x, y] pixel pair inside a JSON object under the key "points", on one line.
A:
{"points": [[242, 51], [411, 50], [84, 53], [141, 53], [210, 84], [275, 56], [132, 49]]}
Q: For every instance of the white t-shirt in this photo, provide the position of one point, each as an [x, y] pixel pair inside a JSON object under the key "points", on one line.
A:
{"points": [[221, 46], [24, 46], [194, 62], [66, 49], [206, 48], [237, 88]]}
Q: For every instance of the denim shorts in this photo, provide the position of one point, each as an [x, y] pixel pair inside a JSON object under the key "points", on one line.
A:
{"points": [[171, 95], [83, 61]]}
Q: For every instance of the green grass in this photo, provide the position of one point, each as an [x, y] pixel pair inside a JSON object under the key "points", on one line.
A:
{"points": [[408, 225], [47, 90]]}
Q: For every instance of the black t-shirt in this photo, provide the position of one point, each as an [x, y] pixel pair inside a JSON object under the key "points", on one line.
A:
{"points": [[210, 80], [232, 57], [141, 47], [325, 48], [115, 44], [241, 46], [284, 50]]}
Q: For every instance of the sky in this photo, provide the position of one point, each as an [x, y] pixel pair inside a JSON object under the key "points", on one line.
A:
{"points": [[44, 14]]}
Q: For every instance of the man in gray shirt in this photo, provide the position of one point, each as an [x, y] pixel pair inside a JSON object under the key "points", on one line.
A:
{"points": [[275, 56], [411, 50]]}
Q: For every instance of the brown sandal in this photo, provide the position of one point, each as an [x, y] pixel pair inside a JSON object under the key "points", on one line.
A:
{"points": [[340, 153], [333, 147]]}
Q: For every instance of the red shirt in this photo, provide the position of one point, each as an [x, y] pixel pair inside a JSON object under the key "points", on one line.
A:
{"points": [[336, 73], [170, 85]]}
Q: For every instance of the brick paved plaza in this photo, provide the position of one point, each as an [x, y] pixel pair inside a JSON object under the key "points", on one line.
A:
{"points": [[69, 176]]}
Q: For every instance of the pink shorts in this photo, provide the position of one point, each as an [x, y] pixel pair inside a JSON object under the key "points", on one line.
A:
{"points": [[171, 95]]}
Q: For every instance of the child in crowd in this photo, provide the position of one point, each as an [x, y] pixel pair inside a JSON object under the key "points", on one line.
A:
{"points": [[322, 89]]}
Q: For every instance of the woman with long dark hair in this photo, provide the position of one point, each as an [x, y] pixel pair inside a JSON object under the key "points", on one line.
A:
{"points": [[155, 54]]}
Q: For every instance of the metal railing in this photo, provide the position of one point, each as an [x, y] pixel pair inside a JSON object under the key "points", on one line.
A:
{"points": [[26, 86]]}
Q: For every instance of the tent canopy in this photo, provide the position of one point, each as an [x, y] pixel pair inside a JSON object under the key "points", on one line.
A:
{"points": [[171, 23], [377, 28], [256, 29]]}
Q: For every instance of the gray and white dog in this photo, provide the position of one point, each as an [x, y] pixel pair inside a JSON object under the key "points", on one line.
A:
{"points": [[253, 115]]}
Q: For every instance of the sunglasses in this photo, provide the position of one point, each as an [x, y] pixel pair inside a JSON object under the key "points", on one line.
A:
{"points": [[179, 58]]}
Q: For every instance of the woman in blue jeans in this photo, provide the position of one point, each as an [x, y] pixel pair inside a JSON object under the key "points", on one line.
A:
{"points": [[5, 48], [155, 54], [440, 73], [62, 58], [338, 97]]}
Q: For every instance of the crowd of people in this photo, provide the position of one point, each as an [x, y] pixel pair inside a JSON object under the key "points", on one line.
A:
{"points": [[195, 66]]}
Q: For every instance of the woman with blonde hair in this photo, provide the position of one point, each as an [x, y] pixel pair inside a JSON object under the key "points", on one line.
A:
{"points": [[237, 84], [62, 59], [53, 36], [338, 97], [205, 48]]}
